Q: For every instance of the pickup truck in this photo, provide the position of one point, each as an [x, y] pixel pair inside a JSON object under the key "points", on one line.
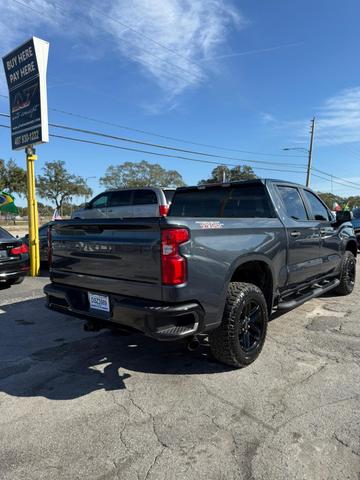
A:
{"points": [[219, 264]]}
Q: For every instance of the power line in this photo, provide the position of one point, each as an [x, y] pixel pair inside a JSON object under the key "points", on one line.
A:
{"points": [[337, 182], [147, 152], [103, 122], [165, 147], [344, 182], [42, 14], [82, 140], [339, 178], [176, 139]]}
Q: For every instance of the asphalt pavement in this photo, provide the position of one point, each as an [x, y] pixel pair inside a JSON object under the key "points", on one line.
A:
{"points": [[77, 405]]}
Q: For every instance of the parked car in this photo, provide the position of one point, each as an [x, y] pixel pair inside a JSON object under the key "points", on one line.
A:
{"points": [[127, 203], [43, 241], [356, 224], [223, 259], [14, 259]]}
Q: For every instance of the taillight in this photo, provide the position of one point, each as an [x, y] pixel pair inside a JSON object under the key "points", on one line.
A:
{"points": [[163, 210], [173, 265], [20, 250], [49, 252]]}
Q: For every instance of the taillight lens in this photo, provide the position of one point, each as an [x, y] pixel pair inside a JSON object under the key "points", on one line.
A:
{"points": [[163, 210], [20, 250], [173, 265]]}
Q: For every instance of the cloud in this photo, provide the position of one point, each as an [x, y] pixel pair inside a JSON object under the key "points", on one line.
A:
{"points": [[175, 36], [267, 117], [337, 121], [19, 19], [172, 41], [339, 118]]}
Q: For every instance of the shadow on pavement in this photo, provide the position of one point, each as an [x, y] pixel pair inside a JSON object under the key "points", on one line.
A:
{"points": [[43, 353]]}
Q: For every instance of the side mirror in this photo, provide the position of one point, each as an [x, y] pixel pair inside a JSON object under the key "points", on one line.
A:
{"points": [[87, 205], [343, 216]]}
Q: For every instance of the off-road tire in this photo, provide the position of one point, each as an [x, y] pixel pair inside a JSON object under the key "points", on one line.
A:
{"points": [[347, 274], [225, 341]]}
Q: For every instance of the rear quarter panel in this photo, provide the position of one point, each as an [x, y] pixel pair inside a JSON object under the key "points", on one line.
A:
{"points": [[218, 246]]}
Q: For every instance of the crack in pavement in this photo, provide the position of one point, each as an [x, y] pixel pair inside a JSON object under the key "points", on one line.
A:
{"points": [[346, 445]]}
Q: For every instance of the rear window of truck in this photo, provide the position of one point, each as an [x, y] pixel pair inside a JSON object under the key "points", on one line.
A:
{"points": [[240, 201]]}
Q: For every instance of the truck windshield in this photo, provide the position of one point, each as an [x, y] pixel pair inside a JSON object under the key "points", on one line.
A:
{"points": [[240, 201]]}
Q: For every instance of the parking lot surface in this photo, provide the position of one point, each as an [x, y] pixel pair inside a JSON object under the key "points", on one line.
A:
{"points": [[77, 405]]}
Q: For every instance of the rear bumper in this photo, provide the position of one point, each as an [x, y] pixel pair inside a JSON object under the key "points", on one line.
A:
{"points": [[11, 272], [155, 319]]}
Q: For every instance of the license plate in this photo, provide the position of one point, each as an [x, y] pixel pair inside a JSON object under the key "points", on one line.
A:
{"points": [[99, 302], [3, 253]]}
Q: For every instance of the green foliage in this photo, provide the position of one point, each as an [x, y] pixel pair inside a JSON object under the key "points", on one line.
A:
{"points": [[330, 199], [140, 174], [12, 178], [222, 172], [353, 201], [60, 186]]}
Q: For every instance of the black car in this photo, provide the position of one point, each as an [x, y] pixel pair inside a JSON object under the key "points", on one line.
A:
{"points": [[43, 241], [14, 259]]}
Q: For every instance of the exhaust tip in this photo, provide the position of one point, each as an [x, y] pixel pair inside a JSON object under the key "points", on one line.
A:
{"points": [[193, 344], [91, 327]]}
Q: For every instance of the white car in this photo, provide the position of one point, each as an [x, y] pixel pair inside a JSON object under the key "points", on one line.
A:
{"points": [[128, 202]]}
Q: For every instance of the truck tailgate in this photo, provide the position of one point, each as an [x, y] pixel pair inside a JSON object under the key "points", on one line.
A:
{"points": [[114, 256]]}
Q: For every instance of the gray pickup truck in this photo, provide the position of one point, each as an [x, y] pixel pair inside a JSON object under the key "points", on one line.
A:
{"points": [[224, 259]]}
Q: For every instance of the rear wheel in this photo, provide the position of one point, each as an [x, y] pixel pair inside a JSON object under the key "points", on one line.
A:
{"points": [[239, 339], [347, 274]]}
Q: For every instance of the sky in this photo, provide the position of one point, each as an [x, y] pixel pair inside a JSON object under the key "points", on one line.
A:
{"points": [[239, 79]]}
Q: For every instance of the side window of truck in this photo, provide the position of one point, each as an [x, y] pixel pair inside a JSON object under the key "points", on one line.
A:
{"points": [[144, 197], [101, 201], [318, 210], [293, 203], [247, 202], [120, 198]]}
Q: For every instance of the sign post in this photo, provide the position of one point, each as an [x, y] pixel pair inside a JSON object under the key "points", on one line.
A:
{"points": [[25, 70]]}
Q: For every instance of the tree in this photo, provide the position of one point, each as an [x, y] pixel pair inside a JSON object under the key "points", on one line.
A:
{"points": [[12, 178], [353, 201], [60, 186], [330, 199], [244, 172], [141, 174]]}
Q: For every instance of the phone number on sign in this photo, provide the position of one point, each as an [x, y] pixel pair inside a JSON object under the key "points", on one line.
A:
{"points": [[27, 138]]}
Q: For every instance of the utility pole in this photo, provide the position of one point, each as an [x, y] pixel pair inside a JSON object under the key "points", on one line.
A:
{"points": [[308, 175], [32, 212]]}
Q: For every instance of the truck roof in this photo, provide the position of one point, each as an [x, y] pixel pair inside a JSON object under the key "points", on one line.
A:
{"points": [[239, 182]]}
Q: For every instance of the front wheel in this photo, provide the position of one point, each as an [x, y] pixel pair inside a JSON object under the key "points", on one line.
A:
{"points": [[347, 274], [240, 337]]}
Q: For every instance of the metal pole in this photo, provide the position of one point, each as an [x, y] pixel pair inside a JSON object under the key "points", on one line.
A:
{"points": [[32, 213], [308, 175]]}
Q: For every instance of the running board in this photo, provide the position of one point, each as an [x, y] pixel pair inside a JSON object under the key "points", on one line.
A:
{"points": [[308, 296]]}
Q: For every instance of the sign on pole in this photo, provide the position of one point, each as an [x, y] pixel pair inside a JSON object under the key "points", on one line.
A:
{"points": [[25, 70]]}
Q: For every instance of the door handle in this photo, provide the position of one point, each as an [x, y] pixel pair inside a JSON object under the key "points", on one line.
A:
{"points": [[295, 234], [109, 209], [323, 231]]}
